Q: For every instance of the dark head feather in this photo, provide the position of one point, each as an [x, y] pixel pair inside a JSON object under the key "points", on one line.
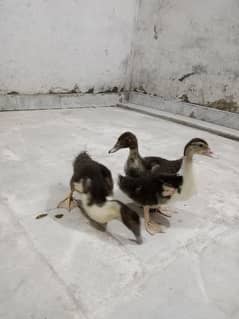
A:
{"points": [[97, 178], [126, 140], [194, 141]]}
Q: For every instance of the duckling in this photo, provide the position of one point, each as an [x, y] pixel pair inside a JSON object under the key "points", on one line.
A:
{"points": [[196, 146], [150, 191], [136, 165], [94, 183], [102, 182]]}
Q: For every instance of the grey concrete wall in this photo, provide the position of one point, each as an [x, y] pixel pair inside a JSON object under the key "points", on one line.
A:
{"points": [[188, 47], [60, 46]]}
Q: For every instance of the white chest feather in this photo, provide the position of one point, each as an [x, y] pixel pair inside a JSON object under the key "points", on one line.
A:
{"points": [[101, 214], [189, 183]]}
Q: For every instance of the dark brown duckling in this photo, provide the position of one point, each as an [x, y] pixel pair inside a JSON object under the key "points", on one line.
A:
{"points": [[150, 191], [94, 183], [136, 165]]}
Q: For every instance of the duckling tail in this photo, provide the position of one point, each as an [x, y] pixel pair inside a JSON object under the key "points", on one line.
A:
{"points": [[131, 220]]}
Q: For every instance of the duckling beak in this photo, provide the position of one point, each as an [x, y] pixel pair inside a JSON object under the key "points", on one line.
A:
{"points": [[114, 149], [209, 153]]}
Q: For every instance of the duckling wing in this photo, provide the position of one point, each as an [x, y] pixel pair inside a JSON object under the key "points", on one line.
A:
{"points": [[149, 189], [107, 176], [162, 165], [133, 171], [142, 190]]}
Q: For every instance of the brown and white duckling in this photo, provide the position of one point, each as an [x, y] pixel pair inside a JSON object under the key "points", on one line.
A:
{"points": [[94, 183], [136, 165], [150, 191], [196, 146]]}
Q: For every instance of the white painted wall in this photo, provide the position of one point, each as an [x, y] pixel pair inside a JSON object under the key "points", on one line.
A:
{"points": [[55, 45], [175, 38]]}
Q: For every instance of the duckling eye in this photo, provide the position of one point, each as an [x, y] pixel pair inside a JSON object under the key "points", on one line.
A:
{"points": [[200, 145]]}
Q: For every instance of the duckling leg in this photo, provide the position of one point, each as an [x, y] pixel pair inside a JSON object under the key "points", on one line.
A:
{"points": [[71, 203], [151, 227], [167, 191], [164, 211], [68, 200], [161, 211]]}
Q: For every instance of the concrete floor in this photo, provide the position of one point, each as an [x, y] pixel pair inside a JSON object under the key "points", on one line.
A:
{"points": [[64, 268]]}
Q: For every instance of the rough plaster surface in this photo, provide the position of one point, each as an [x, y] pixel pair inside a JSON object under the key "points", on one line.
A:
{"points": [[59, 46], [64, 268], [194, 41], [167, 47]]}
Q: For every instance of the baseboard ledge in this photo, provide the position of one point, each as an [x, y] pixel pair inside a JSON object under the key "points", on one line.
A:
{"points": [[16, 102], [202, 113]]}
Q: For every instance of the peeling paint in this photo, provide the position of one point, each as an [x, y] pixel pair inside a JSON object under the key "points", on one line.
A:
{"points": [[115, 89], [221, 104], [224, 105], [185, 76], [91, 90], [184, 98], [12, 93], [195, 52], [59, 90], [155, 33], [76, 89], [196, 69], [140, 89]]}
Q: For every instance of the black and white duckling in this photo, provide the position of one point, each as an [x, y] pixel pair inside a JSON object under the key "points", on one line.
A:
{"points": [[150, 191], [94, 183], [101, 179]]}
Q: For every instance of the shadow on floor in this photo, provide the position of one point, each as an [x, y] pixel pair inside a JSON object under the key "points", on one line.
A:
{"points": [[78, 220]]}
